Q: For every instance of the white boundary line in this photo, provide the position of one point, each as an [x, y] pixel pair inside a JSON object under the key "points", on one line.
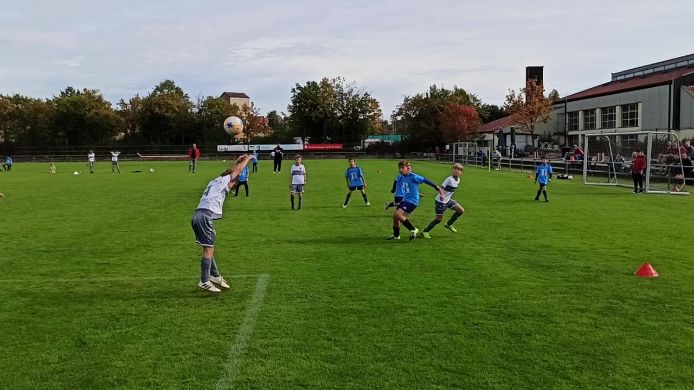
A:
{"points": [[243, 337], [123, 279]]}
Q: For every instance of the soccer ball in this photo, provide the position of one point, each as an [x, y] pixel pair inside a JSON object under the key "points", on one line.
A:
{"points": [[570, 177], [233, 125], [75, 173], [151, 170]]}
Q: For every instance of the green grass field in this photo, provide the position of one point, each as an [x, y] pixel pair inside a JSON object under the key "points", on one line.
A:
{"points": [[98, 287]]}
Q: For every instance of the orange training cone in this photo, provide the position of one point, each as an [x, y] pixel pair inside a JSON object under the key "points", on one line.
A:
{"points": [[646, 271], [530, 176]]}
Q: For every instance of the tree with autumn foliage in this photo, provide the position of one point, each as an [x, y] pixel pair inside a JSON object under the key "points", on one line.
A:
{"points": [[529, 106], [458, 122]]}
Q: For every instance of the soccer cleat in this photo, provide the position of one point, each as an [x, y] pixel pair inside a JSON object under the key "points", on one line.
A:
{"points": [[393, 238], [219, 281], [344, 206], [208, 286], [368, 203], [426, 235], [386, 209], [414, 233], [451, 228]]}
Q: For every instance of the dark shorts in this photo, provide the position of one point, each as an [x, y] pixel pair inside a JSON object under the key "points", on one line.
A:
{"points": [[408, 208], [356, 188], [205, 234], [542, 184], [441, 207], [298, 188], [114, 162], [397, 199]]}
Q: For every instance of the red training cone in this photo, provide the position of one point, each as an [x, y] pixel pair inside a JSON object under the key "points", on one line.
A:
{"points": [[646, 271]]}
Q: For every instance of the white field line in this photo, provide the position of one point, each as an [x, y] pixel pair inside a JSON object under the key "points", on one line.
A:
{"points": [[117, 279], [243, 337]]}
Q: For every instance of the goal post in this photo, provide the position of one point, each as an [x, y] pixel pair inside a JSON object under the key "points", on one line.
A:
{"points": [[609, 157]]}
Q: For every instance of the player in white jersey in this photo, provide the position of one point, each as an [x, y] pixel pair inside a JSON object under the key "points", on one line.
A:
{"points": [[114, 161], [209, 209], [297, 181], [450, 185], [91, 159]]}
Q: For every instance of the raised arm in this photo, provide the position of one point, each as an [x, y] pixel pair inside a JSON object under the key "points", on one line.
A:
{"points": [[436, 187], [234, 172]]}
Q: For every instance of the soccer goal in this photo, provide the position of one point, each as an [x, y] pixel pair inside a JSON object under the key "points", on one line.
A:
{"points": [[609, 156]]}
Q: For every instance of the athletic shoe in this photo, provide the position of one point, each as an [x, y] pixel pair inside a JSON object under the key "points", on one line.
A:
{"points": [[451, 228], [208, 286], [344, 206], [393, 238], [219, 281], [368, 203], [386, 209], [414, 233], [426, 235]]}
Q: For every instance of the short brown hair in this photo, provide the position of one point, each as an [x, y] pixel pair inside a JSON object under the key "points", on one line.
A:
{"points": [[458, 166], [403, 163]]}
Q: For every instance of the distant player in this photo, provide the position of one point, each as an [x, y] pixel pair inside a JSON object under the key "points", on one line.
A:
{"points": [[193, 156], [114, 161], [355, 181], [208, 210], [297, 181], [543, 175], [243, 181], [255, 161], [450, 185], [408, 182], [91, 160], [52, 168]]}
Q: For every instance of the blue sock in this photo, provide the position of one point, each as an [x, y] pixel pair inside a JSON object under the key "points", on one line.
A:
{"points": [[205, 265], [213, 269]]}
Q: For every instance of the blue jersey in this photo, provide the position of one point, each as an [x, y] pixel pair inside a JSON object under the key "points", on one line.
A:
{"points": [[355, 176], [542, 173], [408, 186], [243, 176]]}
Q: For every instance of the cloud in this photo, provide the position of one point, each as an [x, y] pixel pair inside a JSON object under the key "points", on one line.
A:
{"points": [[389, 48]]}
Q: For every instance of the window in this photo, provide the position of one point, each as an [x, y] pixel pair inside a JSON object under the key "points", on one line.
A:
{"points": [[573, 120], [630, 140], [630, 115], [609, 118], [589, 120]]}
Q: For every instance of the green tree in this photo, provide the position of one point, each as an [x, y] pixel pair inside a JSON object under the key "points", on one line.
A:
{"points": [[333, 110], [419, 116], [167, 115], [83, 117]]}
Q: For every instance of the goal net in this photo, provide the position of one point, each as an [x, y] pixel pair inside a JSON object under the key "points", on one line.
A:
{"points": [[609, 157]]}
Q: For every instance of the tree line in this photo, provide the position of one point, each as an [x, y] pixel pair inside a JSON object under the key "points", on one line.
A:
{"points": [[331, 110]]}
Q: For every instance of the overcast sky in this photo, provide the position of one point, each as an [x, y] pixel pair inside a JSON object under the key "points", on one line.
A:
{"points": [[389, 48]]}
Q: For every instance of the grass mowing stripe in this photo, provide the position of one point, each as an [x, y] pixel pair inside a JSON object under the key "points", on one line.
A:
{"points": [[243, 338]]}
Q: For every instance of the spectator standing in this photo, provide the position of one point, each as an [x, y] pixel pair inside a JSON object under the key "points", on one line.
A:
{"points": [[193, 156], [638, 167], [277, 159]]}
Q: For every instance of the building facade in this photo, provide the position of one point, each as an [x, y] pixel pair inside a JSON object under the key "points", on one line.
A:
{"points": [[238, 98], [656, 97]]}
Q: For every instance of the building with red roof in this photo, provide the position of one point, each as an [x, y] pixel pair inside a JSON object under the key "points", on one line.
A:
{"points": [[654, 97]]}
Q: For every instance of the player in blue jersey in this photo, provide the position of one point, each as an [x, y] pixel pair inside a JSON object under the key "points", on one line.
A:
{"points": [[408, 182], [355, 181], [450, 185], [243, 181], [397, 193], [210, 209], [543, 175]]}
